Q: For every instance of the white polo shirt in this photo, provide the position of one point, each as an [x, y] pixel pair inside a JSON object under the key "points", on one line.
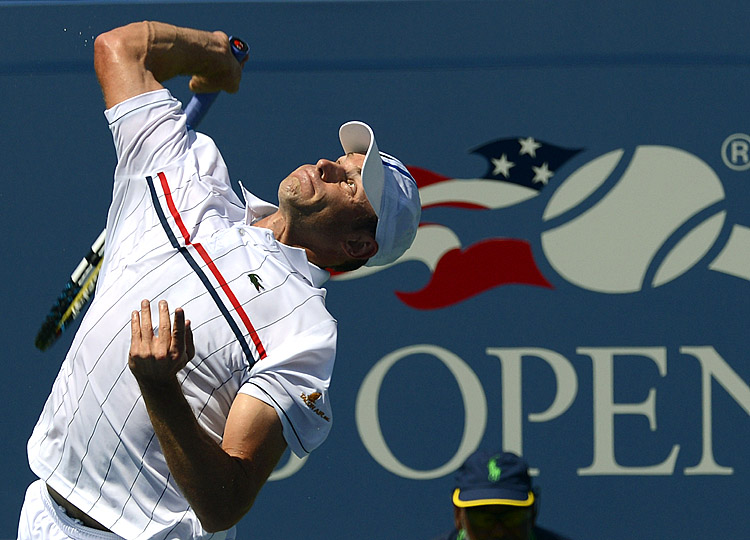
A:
{"points": [[177, 231]]}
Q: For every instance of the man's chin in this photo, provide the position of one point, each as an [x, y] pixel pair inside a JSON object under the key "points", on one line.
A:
{"points": [[297, 186]]}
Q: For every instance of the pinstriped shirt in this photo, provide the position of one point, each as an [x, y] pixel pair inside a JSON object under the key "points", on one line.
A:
{"points": [[177, 231]]}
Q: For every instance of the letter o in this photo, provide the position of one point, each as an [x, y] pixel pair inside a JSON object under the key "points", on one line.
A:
{"points": [[368, 421]]}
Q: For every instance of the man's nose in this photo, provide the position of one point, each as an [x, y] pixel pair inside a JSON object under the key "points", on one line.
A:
{"points": [[330, 171]]}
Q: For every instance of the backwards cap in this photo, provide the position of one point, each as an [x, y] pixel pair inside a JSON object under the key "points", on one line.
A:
{"points": [[391, 190]]}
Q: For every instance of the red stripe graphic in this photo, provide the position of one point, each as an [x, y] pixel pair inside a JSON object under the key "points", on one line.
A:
{"points": [[426, 177], [214, 270], [461, 274]]}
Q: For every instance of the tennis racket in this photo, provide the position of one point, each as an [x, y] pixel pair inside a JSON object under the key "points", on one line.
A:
{"points": [[82, 283]]}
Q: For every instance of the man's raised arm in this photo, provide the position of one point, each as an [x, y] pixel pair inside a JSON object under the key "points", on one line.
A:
{"points": [[137, 58]]}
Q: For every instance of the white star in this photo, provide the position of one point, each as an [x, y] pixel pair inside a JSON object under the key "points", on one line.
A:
{"points": [[542, 174], [528, 146], [502, 166]]}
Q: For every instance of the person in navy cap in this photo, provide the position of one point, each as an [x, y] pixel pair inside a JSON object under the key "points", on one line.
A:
{"points": [[494, 500]]}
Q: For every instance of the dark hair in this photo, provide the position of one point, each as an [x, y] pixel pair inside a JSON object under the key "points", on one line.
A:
{"points": [[350, 265]]}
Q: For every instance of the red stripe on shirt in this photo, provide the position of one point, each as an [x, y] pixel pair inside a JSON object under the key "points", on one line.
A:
{"points": [[212, 266]]}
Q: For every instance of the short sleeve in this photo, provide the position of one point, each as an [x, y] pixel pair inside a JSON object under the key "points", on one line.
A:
{"points": [[294, 380], [153, 144], [149, 132]]}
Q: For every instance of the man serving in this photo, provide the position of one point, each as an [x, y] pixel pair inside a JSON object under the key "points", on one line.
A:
{"points": [[178, 441]]}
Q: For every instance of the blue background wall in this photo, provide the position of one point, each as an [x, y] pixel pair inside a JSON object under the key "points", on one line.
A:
{"points": [[436, 80]]}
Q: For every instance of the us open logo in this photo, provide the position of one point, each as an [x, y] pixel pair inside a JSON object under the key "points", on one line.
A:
{"points": [[622, 222]]}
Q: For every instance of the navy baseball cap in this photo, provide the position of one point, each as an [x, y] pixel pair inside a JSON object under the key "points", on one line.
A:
{"points": [[493, 478]]}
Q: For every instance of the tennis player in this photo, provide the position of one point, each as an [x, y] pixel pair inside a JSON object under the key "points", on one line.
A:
{"points": [[177, 441]]}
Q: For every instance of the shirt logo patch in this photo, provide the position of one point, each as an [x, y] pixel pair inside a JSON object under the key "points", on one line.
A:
{"points": [[256, 281], [310, 402]]}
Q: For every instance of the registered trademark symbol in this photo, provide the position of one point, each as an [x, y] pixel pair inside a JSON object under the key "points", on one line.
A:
{"points": [[735, 151]]}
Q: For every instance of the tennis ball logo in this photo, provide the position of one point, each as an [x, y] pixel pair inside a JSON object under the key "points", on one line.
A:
{"points": [[655, 222]]}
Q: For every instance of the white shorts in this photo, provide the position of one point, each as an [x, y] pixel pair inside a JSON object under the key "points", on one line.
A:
{"points": [[43, 519]]}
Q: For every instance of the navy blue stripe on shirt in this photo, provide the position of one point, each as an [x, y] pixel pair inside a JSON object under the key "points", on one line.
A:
{"points": [[199, 272]]}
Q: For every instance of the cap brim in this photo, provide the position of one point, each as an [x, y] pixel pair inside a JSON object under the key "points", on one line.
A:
{"points": [[357, 137], [485, 497]]}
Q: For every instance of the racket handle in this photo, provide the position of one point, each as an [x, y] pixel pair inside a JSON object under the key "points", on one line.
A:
{"points": [[200, 103]]}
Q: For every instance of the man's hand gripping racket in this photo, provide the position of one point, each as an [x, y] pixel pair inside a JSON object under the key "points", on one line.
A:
{"points": [[82, 283]]}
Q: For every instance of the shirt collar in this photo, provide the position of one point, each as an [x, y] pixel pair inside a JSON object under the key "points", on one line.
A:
{"points": [[255, 209], [297, 257]]}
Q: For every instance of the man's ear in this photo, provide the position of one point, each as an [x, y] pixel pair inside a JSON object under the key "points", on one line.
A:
{"points": [[360, 245]]}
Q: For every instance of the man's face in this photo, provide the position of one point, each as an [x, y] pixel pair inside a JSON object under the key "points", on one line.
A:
{"points": [[496, 522], [326, 211], [326, 194]]}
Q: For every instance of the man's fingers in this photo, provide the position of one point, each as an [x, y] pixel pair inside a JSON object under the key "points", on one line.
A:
{"points": [[159, 357], [190, 346], [178, 332], [135, 332], [147, 329], [165, 327]]}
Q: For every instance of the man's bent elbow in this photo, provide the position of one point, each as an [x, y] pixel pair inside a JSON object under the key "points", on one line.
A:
{"points": [[122, 44], [224, 510], [120, 62], [221, 520], [103, 53], [225, 507]]}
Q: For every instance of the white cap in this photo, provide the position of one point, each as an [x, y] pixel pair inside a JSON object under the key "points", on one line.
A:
{"points": [[391, 190]]}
